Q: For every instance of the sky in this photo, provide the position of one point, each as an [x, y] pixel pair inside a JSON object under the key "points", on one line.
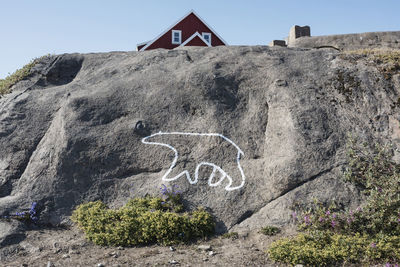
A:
{"points": [[33, 28]]}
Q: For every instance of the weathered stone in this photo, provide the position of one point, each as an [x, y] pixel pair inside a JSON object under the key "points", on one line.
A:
{"points": [[80, 139], [297, 32], [277, 43], [11, 232], [204, 247]]}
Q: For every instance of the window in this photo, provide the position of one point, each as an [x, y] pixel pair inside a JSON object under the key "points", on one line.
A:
{"points": [[207, 37], [176, 37]]}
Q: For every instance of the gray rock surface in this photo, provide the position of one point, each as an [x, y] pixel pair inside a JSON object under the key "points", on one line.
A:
{"points": [[11, 232], [72, 132]]}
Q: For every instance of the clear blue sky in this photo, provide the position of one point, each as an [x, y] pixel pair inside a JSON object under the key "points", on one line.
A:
{"points": [[32, 28]]}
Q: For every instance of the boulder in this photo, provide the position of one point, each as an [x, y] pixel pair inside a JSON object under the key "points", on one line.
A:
{"points": [[247, 132]]}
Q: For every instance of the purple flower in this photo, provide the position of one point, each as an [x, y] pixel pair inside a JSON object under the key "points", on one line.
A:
{"points": [[164, 189], [373, 245], [333, 215], [333, 223], [294, 215], [388, 264], [321, 219], [327, 212], [307, 220]]}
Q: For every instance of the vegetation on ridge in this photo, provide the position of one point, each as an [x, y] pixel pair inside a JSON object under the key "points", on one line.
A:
{"points": [[386, 59], [20, 74]]}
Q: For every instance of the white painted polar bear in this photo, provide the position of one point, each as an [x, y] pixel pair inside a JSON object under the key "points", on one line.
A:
{"points": [[233, 182]]}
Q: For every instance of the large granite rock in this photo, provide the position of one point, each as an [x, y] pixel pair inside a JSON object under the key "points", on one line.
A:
{"points": [[73, 131]]}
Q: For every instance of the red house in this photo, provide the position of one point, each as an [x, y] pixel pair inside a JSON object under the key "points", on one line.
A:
{"points": [[190, 30]]}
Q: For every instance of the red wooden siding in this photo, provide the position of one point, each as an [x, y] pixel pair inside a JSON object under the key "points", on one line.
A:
{"points": [[188, 26], [196, 41]]}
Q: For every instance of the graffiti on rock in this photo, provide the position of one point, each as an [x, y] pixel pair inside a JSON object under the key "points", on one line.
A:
{"points": [[233, 181]]}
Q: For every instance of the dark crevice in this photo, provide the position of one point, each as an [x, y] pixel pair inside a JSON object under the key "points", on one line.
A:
{"points": [[245, 216], [312, 178], [62, 71]]}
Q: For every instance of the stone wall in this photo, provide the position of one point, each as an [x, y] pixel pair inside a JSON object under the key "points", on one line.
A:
{"points": [[297, 32], [349, 41]]}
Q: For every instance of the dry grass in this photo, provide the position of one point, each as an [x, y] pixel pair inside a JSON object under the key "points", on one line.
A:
{"points": [[7, 83], [386, 59]]}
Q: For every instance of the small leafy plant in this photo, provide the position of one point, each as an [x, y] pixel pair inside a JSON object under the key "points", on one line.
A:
{"points": [[25, 216], [145, 220], [369, 234], [231, 235], [270, 230], [172, 198]]}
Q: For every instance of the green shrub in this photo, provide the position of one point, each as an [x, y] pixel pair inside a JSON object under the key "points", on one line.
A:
{"points": [[141, 221], [270, 230], [379, 178], [231, 235], [322, 248], [371, 233]]}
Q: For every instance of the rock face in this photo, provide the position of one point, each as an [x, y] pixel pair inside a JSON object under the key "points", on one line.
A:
{"points": [[73, 131]]}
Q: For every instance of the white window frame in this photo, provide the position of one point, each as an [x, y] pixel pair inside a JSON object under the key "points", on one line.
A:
{"points": [[209, 36], [180, 36]]}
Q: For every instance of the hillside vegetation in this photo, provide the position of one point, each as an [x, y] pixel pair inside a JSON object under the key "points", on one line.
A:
{"points": [[18, 75]]}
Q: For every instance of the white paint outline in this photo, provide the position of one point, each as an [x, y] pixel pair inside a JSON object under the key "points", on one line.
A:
{"points": [[196, 175]]}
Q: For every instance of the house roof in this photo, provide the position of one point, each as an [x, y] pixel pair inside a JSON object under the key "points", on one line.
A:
{"points": [[173, 25], [143, 43], [196, 34]]}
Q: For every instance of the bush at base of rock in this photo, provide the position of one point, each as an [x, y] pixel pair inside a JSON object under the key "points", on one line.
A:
{"points": [[323, 248], [370, 234], [141, 221]]}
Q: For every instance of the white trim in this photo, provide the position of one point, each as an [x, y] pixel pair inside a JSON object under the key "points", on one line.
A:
{"points": [[144, 43], [173, 37], [193, 36], [139, 44], [207, 34], [173, 25]]}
